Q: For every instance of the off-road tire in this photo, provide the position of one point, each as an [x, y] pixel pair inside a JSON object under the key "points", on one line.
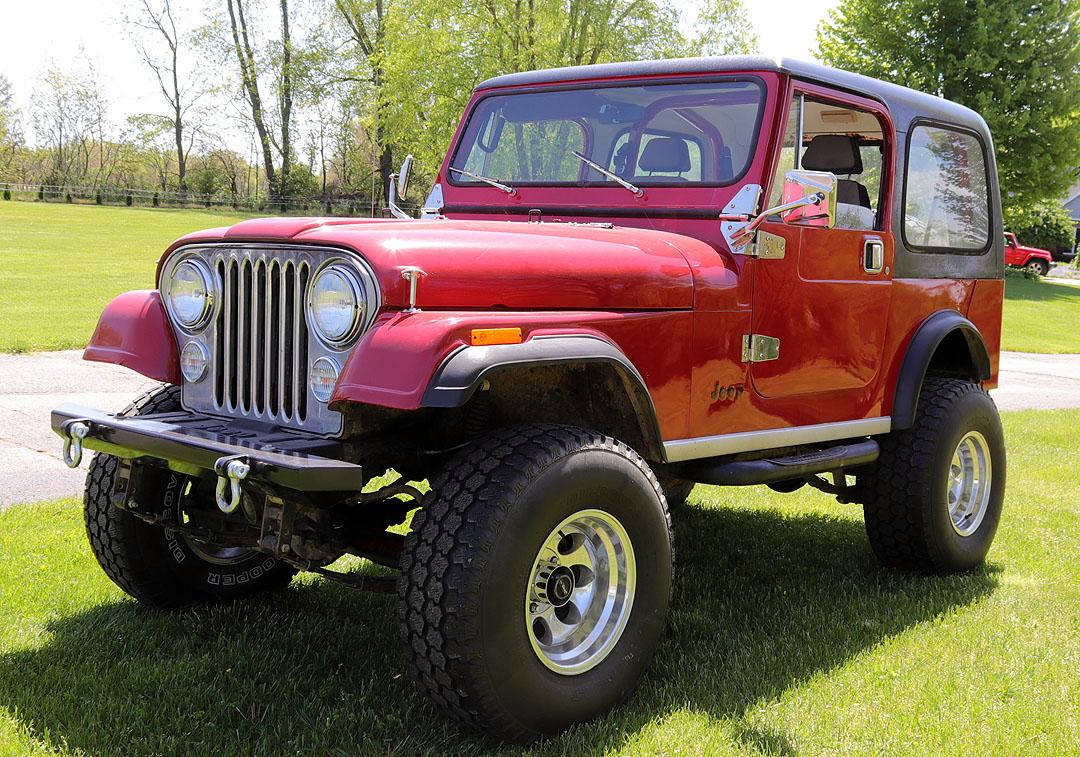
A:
{"points": [[906, 508], [153, 564], [465, 570]]}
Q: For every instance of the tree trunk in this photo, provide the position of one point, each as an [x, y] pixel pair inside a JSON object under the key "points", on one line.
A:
{"points": [[246, 59]]}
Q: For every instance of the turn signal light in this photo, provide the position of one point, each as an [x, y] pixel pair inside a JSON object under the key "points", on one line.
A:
{"points": [[487, 337]]}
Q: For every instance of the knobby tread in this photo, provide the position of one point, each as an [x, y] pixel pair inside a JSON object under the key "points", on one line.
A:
{"points": [[452, 537], [133, 553], [108, 529], [894, 487]]}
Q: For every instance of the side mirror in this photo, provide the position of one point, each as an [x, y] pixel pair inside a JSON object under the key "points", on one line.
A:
{"points": [[802, 184], [399, 185], [403, 177], [808, 198]]}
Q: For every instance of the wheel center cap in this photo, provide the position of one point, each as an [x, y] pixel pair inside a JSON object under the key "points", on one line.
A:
{"points": [[560, 586]]}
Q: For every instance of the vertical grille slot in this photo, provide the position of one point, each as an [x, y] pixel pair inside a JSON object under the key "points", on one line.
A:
{"points": [[260, 341]]}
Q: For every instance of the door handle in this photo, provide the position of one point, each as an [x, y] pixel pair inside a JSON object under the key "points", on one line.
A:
{"points": [[873, 255]]}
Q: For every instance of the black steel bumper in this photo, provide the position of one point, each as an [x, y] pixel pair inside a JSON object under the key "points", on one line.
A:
{"points": [[191, 443]]}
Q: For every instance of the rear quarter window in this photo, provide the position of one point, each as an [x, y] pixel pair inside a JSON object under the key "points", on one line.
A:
{"points": [[946, 194]]}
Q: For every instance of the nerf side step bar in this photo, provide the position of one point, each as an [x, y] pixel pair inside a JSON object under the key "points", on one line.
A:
{"points": [[193, 444], [727, 472]]}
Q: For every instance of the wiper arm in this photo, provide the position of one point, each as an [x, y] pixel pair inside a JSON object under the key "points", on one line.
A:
{"points": [[638, 192], [497, 184]]}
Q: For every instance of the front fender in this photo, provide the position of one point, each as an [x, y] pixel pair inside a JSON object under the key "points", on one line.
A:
{"points": [[395, 364], [134, 331]]}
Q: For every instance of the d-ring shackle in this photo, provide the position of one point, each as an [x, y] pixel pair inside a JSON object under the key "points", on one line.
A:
{"points": [[74, 433], [230, 472]]}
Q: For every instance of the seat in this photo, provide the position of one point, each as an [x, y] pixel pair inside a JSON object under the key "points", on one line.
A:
{"points": [[839, 154], [665, 155]]}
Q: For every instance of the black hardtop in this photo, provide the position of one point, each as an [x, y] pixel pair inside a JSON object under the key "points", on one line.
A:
{"points": [[904, 104]]}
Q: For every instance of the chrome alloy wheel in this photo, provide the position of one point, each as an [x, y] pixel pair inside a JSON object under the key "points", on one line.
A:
{"points": [[969, 484], [580, 592]]}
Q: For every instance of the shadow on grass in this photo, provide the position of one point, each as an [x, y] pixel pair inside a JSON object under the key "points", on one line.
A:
{"points": [[1018, 288], [762, 602]]}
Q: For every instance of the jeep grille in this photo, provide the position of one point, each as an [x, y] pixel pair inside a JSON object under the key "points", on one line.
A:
{"points": [[258, 338], [262, 337]]}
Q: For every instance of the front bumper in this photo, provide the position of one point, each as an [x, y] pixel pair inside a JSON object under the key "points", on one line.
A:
{"points": [[196, 444]]}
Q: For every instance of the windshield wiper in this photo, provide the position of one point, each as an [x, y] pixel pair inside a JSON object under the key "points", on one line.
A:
{"points": [[638, 192], [497, 184]]}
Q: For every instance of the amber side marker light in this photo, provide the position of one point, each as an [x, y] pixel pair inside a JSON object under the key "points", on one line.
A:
{"points": [[487, 337]]}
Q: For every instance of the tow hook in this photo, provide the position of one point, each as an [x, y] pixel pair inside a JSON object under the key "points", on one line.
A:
{"points": [[74, 433], [230, 471]]}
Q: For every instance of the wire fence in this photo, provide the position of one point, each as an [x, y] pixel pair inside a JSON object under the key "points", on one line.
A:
{"points": [[356, 207]]}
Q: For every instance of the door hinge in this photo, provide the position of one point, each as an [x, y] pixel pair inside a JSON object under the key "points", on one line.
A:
{"points": [[759, 349], [768, 246]]}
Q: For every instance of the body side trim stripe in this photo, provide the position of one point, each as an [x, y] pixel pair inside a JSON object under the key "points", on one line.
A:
{"points": [[750, 441]]}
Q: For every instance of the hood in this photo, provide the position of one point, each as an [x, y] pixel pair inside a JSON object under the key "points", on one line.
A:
{"points": [[501, 264]]}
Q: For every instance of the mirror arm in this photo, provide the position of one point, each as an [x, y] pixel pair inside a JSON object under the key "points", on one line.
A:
{"points": [[391, 202], [742, 236]]}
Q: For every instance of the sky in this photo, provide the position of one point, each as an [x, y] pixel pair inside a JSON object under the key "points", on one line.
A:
{"points": [[38, 32]]}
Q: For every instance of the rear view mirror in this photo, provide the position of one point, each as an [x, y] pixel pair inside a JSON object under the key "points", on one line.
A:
{"points": [[802, 184]]}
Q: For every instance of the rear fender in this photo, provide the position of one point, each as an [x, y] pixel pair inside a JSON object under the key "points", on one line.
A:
{"points": [[134, 331], [952, 342]]}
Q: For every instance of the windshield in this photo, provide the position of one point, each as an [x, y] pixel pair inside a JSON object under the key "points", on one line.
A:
{"points": [[700, 133]]}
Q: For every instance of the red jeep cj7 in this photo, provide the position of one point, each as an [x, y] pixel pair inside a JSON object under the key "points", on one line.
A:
{"points": [[628, 278]]}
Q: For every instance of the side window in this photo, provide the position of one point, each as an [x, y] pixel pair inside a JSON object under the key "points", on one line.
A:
{"points": [[946, 202], [845, 141]]}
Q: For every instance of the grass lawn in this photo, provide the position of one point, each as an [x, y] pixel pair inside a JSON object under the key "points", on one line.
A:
{"points": [[61, 264], [785, 637], [1041, 316]]}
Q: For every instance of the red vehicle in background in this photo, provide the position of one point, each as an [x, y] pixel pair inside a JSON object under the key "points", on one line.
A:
{"points": [[629, 278], [1029, 258]]}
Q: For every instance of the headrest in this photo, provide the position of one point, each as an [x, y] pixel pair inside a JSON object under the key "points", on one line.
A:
{"points": [[665, 155], [836, 153]]}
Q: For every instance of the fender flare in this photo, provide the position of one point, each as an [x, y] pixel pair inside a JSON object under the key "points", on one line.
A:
{"points": [[462, 372], [134, 331], [927, 338]]}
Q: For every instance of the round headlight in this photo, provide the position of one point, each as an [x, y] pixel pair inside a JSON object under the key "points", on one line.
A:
{"points": [[193, 361], [323, 376], [336, 303], [190, 293]]}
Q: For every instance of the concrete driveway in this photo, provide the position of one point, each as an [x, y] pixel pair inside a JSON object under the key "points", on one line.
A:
{"points": [[31, 385]]}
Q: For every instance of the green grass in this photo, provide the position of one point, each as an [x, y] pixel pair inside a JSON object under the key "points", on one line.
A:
{"points": [[62, 264], [1040, 316], [785, 637]]}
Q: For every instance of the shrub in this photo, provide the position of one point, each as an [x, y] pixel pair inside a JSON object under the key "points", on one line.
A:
{"points": [[7, 194], [1046, 225], [41, 193], [129, 199]]}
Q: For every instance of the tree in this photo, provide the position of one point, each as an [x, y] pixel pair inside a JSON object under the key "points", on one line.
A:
{"points": [[723, 28], [10, 135], [177, 86], [282, 72], [365, 22], [70, 115], [1016, 62]]}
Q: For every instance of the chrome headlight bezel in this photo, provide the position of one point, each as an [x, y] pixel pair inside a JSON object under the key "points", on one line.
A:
{"points": [[168, 283], [359, 285]]}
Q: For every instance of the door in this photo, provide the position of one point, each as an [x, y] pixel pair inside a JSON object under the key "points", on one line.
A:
{"points": [[827, 299]]}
